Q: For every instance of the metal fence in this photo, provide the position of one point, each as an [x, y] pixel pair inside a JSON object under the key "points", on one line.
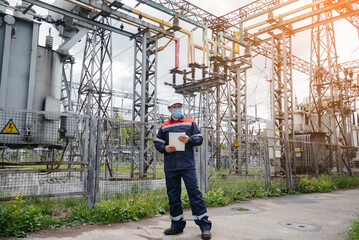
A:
{"points": [[40, 154], [260, 157], [46, 154]]}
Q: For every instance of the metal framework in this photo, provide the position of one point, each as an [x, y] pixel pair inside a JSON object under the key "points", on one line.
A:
{"points": [[144, 105], [354, 20], [250, 9], [225, 88], [324, 81], [189, 101], [95, 91], [185, 8], [282, 87], [220, 70], [238, 119]]}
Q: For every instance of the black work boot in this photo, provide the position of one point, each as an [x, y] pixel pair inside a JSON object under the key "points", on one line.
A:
{"points": [[172, 231], [206, 234]]}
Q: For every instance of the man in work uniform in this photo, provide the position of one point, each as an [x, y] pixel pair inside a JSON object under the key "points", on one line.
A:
{"points": [[181, 164]]}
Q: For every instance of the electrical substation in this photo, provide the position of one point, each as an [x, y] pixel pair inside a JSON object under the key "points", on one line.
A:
{"points": [[65, 134]]}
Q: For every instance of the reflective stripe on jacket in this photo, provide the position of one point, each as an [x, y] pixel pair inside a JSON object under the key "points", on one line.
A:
{"points": [[180, 159]]}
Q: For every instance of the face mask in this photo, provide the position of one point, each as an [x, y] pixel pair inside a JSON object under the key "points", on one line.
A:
{"points": [[177, 112]]}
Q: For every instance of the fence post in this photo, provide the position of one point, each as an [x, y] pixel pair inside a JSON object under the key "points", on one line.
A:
{"points": [[98, 145], [203, 165], [315, 152], [267, 163], [90, 188], [347, 158], [288, 165]]}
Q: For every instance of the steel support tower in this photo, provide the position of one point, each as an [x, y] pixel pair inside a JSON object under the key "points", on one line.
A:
{"points": [[282, 87], [189, 105], [144, 105], [95, 91], [238, 113], [325, 84], [220, 69]]}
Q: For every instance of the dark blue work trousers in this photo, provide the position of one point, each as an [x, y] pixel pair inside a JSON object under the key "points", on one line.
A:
{"points": [[199, 211]]}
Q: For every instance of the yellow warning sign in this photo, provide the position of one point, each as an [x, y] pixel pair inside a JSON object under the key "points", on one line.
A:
{"points": [[301, 149], [10, 128], [277, 148], [236, 144]]}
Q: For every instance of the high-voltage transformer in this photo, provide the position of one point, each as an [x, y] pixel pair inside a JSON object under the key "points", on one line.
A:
{"points": [[30, 81]]}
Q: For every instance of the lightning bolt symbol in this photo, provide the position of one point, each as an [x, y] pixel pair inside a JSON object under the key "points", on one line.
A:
{"points": [[10, 126]]}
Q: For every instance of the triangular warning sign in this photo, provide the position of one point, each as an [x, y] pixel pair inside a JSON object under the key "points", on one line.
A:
{"points": [[236, 144], [10, 128]]}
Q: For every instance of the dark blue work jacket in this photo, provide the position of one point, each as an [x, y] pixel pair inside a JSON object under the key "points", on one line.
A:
{"points": [[180, 159]]}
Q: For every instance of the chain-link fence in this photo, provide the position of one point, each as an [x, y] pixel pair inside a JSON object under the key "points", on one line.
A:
{"points": [[264, 158], [46, 154], [40, 154]]}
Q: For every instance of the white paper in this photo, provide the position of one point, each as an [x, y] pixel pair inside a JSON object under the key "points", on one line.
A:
{"points": [[173, 140]]}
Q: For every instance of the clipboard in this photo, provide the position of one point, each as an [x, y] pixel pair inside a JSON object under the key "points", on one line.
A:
{"points": [[173, 140]]}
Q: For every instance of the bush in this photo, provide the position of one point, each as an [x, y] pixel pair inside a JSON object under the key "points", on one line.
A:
{"points": [[311, 185], [347, 182]]}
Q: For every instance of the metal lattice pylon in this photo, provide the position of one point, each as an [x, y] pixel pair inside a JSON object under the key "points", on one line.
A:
{"points": [[324, 82], [189, 108], [238, 119], [220, 94], [144, 105], [95, 91], [282, 90]]}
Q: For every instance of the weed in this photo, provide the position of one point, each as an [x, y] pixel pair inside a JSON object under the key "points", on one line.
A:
{"points": [[326, 183], [353, 233], [19, 217], [216, 198]]}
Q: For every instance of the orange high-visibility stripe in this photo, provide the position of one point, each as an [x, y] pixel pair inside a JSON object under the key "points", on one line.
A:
{"points": [[169, 122]]}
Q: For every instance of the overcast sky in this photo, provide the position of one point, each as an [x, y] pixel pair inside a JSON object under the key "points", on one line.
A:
{"points": [[258, 87]]}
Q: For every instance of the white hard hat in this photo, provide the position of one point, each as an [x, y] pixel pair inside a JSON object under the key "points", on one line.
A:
{"points": [[173, 101]]}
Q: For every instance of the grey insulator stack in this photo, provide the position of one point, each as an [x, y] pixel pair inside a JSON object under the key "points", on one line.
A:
{"points": [[49, 40]]}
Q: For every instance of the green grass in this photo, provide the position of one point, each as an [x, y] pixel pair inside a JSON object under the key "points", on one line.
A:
{"points": [[118, 209], [19, 217], [327, 183], [353, 233]]}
